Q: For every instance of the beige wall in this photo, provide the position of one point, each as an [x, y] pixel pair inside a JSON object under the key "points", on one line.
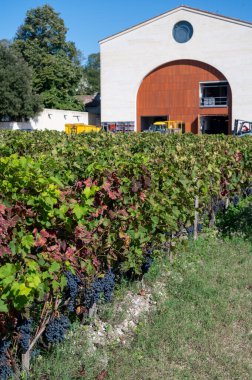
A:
{"points": [[129, 56], [52, 119]]}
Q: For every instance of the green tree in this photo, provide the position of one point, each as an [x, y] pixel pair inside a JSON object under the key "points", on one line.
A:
{"points": [[56, 62], [90, 82], [17, 99]]}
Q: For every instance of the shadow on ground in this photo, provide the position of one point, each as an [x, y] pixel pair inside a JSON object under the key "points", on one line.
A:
{"points": [[237, 221]]}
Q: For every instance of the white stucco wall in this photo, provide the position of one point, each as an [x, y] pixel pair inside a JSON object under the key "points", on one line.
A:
{"points": [[52, 119], [128, 57]]}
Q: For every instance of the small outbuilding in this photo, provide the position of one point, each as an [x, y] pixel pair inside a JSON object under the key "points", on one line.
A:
{"points": [[186, 64]]}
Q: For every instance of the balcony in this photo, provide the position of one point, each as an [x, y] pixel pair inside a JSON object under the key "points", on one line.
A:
{"points": [[217, 101], [213, 94]]}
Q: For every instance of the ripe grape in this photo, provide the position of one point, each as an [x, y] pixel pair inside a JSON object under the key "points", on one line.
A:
{"points": [[215, 208], [147, 264], [219, 206], [5, 367], [5, 371], [4, 345], [55, 330], [190, 230], [24, 330], [108, 285], [102, 286], [236, 200], [93, 293], [199, 227], [248, 191], [73, 283]]}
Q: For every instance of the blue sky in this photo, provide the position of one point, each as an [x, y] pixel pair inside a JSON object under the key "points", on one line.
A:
{"points": [[90, 21]]}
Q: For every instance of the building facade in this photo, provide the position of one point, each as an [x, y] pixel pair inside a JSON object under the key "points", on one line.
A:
{"points": [[185, 64], [51, 119]]}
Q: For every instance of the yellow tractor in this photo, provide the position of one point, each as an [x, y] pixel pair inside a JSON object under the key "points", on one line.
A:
{"points": [[169, 127], [81, 128]]}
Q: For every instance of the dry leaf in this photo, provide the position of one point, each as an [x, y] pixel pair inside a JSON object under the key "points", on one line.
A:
{"points": [[102, 375]]}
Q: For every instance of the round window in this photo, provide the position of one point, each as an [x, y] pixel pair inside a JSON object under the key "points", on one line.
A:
{"points": [[182, 31]]}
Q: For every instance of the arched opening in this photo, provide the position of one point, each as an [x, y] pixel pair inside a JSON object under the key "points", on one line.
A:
{"points": [[187, 90]]}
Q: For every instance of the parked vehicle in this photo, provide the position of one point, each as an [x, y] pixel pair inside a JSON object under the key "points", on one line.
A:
{"points": [[242, 128], [167, 127], [81, 128]]}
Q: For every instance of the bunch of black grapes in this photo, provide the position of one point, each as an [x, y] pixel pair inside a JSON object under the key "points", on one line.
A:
{"points": [[24, 328], [148, 259], [56, 329], [190, 229], [5, 366], [219, 206], [248, 191], [102, 286], [73, 283]]}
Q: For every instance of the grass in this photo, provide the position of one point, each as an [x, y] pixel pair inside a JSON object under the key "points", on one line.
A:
{"points": [[202, 328]]}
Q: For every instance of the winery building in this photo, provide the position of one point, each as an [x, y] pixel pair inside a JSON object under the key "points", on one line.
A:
{"points": [[186, 64]]}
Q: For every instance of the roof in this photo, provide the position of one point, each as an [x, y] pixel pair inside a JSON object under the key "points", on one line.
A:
{"points": [[86, 98], [181, 7]]}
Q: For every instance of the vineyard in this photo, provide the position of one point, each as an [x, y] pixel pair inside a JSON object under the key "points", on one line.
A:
{"points": [[77, 213]]}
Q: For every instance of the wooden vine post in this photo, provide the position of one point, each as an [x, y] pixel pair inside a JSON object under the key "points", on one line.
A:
{"points": [[196, 217]]}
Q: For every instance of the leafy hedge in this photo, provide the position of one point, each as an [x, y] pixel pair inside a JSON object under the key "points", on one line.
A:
{"points": [[89, 204]]}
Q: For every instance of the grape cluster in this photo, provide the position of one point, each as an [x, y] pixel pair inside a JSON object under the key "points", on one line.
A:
{"points": [[219, 206], [55, 331], [93, 293], [101, 286], [108, 285], [190, 229], [73, 283], [24, 330], [5, 368], [148, 259], [248, 191], [199, 227], [236, 200], [147, 264]]}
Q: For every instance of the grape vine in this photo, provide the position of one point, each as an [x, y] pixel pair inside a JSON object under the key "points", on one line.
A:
{"points": [[87, 203]]}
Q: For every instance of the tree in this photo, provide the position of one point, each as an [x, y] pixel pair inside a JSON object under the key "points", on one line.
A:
{"points": [[56, 63], [17, 99], [90, 83]]}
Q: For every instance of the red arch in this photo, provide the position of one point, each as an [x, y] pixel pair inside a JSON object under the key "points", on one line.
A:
{"points": [[172, 89]]}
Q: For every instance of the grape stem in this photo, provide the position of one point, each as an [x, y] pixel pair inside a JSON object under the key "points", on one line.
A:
{"points": [[44, 320]]}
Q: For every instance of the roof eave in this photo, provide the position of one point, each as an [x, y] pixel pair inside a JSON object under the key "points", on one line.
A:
{"points": [[181, 7]]}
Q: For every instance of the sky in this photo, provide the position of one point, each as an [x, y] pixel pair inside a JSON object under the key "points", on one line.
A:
{"points": [[90, 21]]}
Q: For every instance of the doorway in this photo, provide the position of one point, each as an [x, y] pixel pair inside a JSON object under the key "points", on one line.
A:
{"points": [[146, 121], [214, 124]]}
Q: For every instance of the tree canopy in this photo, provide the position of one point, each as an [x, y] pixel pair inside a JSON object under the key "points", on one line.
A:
{"points": [[17, 98], [90, 82], [56, 62]]}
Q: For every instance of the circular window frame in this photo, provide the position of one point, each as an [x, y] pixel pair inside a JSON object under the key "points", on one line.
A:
{"points": [[185, 27]]}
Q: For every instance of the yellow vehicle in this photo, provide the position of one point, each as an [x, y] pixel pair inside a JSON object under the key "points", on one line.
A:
{"points": [[170, 126], [80, 128]]}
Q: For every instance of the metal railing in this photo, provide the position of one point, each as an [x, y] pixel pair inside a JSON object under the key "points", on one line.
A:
{"points": [[217, 101]]}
